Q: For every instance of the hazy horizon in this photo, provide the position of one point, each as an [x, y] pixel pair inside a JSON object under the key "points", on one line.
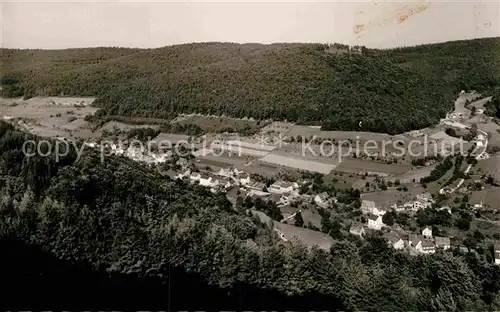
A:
{"points": [[62, 25]]}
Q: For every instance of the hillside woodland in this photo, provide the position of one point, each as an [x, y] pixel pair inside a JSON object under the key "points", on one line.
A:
{"points": [[116, 231], [386, 90]]}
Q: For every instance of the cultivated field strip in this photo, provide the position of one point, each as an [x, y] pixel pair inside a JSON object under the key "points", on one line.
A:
{"points": [[297, 163]]}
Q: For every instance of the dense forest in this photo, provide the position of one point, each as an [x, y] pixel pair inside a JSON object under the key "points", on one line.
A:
{"points": [[116, 234], [388, 90]]}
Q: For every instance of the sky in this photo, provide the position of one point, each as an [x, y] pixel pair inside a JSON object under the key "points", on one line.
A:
{"points": [[57, 24]]}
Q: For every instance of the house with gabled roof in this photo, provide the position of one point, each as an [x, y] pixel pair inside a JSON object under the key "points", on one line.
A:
{"points": [[282, 187], [368, 206], [496, 250], [421, 245], [357, 229], [374, 221], [323, 200], [427, 232], [394, 240]]}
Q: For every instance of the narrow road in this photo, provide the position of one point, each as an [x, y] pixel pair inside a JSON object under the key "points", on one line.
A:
{"points": [[461, 181]]}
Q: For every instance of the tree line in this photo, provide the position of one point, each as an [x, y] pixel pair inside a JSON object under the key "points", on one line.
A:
{"points": [[386, 90]]}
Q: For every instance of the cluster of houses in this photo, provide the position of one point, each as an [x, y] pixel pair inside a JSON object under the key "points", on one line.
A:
{"points": [[282, 193], [423, 243], [426, 243], [374, 214], [133, 152], [219, 181], [421, 201], [417, 244]]}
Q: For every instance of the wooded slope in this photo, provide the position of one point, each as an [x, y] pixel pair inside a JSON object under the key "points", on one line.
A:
{"points": [[390, 90]]}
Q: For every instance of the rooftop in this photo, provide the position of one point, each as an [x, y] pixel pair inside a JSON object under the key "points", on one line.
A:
{"points": [[373, 217], [427, 244], [283, 184], [442, 241], [392, 237], [323, 196]]}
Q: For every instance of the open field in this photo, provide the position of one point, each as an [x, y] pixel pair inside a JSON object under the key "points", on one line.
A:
{"points": [[305, 236], [277, 127], [480, 103], [222, 161], [414, 174], [51, 116], [460, 102], [298, 163], [112, 125], [493, 130], [341, 180], [241, 163], [385, 199], [445, 140], [357, 166], [308, 131], [489, 197], [330, 160], [490, 166]]}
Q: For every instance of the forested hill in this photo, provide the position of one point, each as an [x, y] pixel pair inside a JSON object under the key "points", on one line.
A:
{"points": [[116, 231], [390, 90]]}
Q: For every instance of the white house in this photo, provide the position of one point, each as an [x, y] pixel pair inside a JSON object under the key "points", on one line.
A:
{"points": [[442, 242], [245, 179], [422, 201], [427, 232], [322, 200], [421, 245], [195, 176], [375, 221], [368, 206], [394, 240], [282, 187], [186, 173], [229, 172], [496, 248], [398, 208], [357, 229], [208, 181], [225, 172]]}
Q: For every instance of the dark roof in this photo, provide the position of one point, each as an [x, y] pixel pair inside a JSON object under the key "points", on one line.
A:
{"points": [[427, 244], [372, 217], [392, 237]]}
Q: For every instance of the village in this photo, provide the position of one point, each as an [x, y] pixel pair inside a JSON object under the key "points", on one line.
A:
{"points": [[298, 194]]}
